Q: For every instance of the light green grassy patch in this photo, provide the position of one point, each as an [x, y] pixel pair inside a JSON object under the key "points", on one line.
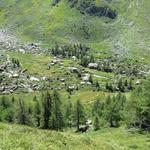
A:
{"points": [[15, 137]]}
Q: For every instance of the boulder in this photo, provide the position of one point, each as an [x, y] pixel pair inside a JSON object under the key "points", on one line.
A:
{"points": [[138, 82], [83, 128], [82, 83], [74, 58], [34, 79], [73, 69], [72, 87], [45, 78], [16, 75], [62, 80], [2, 70], [22, 51], [85, 77], [93, 65]]}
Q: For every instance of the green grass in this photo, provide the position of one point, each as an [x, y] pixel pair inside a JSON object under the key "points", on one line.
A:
{"points": [[85, 95], [35, 64], [15, 137], [38, 21], [38, 64], [34, 20]]}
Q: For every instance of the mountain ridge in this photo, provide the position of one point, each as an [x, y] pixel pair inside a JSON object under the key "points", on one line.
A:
{"points": [[48, 24]]}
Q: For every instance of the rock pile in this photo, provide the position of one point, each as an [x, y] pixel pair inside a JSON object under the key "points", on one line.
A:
{"points": [[14, 78], [9, 41]]}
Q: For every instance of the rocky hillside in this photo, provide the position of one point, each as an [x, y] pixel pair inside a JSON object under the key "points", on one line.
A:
{"points": [[120, 26], [79, 69]]}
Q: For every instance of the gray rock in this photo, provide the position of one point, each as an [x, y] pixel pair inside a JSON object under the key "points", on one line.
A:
{"points": [[85, 77], [34, 79], [72, 69], [93, 65]]}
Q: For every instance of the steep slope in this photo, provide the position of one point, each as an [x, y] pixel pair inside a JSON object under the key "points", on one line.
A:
{"points": [[133, 34], [24, 138], [47, 23]]}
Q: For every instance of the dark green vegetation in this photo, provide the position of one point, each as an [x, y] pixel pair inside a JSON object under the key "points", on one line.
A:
{"points": [[93, 8], [50, 111], [112, 112]]}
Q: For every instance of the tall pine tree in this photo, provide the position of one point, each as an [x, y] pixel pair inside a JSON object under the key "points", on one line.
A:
{"points": [[47, 110], [57, 121], [80, 115]]}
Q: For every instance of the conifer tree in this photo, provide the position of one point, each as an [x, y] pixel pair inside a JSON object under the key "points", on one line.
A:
{"points": [[130, 86], [69, 115], [80, 115], [96, 123], [113, 109], [13, 99], [91, 79], [97, 85], [97, 108], [6, 110], [22, 116], [57, 121], [37, 114], [4, 102], [140, 107], [47, 109]]}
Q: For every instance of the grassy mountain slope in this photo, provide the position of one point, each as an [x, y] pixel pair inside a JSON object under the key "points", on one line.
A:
{"points": [[15, 137], [40, 21]]}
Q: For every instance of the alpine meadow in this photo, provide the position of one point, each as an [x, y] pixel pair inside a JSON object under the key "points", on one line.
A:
{"points": [[74, 74]]}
